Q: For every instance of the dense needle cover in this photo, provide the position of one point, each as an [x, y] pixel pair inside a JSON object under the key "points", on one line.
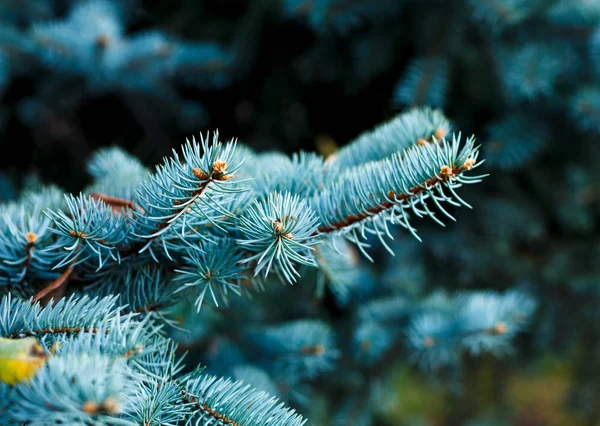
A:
{"points": [[404, 233], [200, 230]]}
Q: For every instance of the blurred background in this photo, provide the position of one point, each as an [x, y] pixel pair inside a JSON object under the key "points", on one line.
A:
{"points": [[290, 75]]}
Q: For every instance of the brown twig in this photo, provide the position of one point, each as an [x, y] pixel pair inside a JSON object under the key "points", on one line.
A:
{"points": [[31, 238], [58, 330], [149, 308], [190, 399], [114, 202], [56, 287]]}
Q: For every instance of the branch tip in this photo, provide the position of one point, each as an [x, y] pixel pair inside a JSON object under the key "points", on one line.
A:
{"points": [[219, 167], [31, 238]]}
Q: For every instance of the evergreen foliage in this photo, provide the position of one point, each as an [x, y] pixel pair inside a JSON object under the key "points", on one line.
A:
{"points": [[176, 242], [253, 282]]}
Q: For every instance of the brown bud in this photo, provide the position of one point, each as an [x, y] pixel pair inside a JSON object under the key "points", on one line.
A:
{"points": [[219, 167], [278, 226], [469, 162], [289, 236], [446, 172], [90, 407], [312, 350], [200, 174], [440, 133], [499, 328], [421, 141], [110, 406], [428, 342], [137, 349], [31, 237]]}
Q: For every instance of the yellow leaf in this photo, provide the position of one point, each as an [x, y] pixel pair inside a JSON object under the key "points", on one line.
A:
{"points": [[20, 359]]}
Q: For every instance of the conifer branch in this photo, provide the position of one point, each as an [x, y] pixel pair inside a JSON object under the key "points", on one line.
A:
{"points": [[55, 330], [445, 174], [110, 280], [389, 189]]}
